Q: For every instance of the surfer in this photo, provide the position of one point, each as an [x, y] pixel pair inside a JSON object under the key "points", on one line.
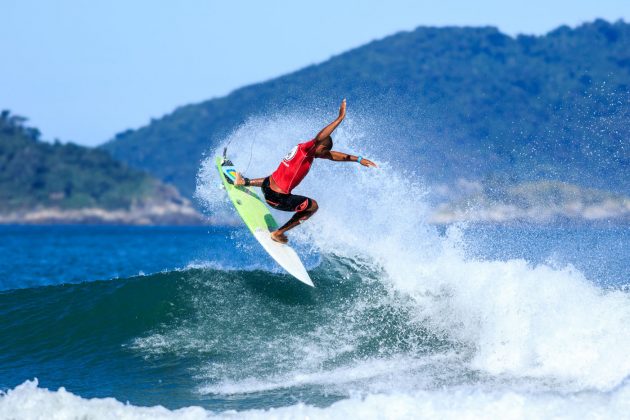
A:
{"points": [[294, 166]]}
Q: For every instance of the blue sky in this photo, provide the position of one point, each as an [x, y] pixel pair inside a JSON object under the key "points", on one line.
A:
{"points": [[84, 70]]}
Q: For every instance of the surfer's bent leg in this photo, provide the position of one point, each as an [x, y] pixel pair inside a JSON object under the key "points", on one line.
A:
{"points": [[303, 207], [310, 208]]}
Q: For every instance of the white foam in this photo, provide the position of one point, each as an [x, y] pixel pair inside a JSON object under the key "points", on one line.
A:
{"points": [[380, 374], [28, 401]]}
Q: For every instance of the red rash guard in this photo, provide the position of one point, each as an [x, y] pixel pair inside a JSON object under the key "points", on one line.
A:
{"points": [[294, 166]]}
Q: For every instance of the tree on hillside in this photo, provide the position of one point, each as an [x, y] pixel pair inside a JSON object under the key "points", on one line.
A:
{"points": [[16, 124]]}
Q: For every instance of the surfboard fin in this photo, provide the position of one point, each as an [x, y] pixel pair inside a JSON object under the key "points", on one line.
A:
{"points": [[225, 160]]}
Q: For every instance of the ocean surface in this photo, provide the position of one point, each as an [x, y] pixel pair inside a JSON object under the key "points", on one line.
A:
{"points": [[407, 320], [162, 316]]}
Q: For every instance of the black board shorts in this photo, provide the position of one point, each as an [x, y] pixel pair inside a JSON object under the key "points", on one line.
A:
{"points": [[284, 202]]}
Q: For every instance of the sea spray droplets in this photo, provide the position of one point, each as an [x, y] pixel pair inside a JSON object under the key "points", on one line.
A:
{"points": [[520, 320]]}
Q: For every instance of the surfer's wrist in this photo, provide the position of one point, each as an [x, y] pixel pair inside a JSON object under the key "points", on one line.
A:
{"points": [[359, 159], [246, 181]]}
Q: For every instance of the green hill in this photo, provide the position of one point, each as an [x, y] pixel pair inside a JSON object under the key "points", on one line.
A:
{"points": [[36, 175], [459, 102]]}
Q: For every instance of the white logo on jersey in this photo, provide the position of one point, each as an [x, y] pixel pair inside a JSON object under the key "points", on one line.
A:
{"points": [[291, 154]]}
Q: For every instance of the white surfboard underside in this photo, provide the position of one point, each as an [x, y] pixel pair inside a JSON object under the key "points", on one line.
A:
{"points": [[284, 255]]}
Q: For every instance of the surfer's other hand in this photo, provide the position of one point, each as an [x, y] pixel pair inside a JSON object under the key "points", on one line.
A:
{"points": [[238, 179], [342, 109], [368, 163]]}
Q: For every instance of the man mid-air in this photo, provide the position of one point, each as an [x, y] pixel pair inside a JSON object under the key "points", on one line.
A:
{"points": [[294, 166]]}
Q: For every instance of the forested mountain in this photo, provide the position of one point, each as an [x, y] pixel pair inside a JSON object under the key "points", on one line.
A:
{"points": [[462, 102], [39, 176]]}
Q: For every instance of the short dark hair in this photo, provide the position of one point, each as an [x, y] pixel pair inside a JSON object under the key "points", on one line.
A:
{"points": [[327, 142]]}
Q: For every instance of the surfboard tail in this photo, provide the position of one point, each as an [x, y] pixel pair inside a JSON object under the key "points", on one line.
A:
{"points": [[284, 255]]}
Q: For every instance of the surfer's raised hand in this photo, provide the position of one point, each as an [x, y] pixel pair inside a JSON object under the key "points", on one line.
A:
{"points": [[327, 131], [368, 163], [342, 110]]}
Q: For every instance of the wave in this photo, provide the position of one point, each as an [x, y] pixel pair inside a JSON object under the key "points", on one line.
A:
{"points": [[216, 326], [510, 333], [509, 318], [54, 319]]}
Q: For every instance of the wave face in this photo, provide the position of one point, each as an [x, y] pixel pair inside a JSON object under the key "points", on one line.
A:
{"points": [[224, 332], [405, 318]]}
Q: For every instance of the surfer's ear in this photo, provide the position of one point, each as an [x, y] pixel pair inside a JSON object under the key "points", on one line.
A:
{"points": [[321, 150]]}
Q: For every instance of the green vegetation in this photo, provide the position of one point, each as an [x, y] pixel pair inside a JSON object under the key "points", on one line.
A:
{"points": [[38, 174], [453, 102]]}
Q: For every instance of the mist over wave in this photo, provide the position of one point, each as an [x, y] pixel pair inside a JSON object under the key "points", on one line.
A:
{"points": [[518, 320]]}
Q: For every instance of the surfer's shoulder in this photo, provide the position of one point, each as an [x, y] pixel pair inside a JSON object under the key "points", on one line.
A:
{"points": [[308, 144]]}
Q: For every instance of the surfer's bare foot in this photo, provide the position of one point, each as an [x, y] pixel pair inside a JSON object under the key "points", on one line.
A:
{"points": [[238, 179], [279, 237]]}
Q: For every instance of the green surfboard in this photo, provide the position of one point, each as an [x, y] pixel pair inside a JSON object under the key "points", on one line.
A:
{"points": [[255, 213]]}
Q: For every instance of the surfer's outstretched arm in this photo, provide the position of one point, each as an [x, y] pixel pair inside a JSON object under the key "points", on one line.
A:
{"points": [[327, 131], [344, 157], [240, 181]]}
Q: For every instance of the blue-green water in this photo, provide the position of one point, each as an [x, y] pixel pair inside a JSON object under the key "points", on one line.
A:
{"points": [[211, 322]]}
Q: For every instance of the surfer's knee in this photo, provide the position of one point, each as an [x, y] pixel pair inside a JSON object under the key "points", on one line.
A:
{"points": [[307, 206]]}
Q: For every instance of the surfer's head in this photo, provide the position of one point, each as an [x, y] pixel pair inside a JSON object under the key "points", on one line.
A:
{"points": [[325, 145]]}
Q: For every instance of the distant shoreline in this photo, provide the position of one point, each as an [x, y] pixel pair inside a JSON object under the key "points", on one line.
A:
{"points": [[154, 215], [508, 214], [91, 217]]}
